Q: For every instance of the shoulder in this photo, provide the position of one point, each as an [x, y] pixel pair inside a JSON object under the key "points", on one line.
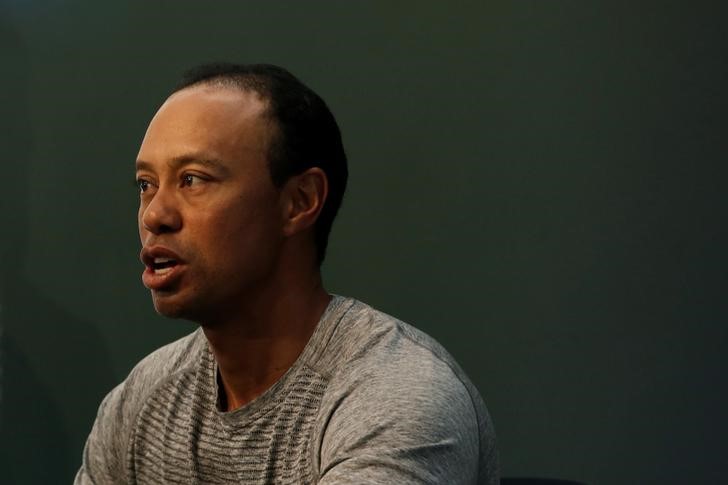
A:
{"points": [[166, 361], [393, 387], [368, 343], [105, 451], [157, 368]]}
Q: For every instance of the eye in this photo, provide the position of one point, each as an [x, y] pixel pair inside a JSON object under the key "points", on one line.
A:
{"points": [[142, 185], [189, 180]]}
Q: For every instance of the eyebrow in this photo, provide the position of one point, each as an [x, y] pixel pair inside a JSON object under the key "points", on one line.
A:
{"points": [[179, 162]]}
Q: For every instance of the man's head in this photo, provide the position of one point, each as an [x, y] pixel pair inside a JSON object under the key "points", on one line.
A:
{"points": [[304, 131], [241, 173]]}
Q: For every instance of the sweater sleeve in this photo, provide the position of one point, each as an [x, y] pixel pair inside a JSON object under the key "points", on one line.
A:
{"points": [[408, 421], [103, 454], [106, 454]]}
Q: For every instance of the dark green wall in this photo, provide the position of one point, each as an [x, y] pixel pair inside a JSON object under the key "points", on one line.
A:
{"points": [[539, 185]]}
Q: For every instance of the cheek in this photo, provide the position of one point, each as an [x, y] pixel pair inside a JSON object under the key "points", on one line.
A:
{"points": [[233, 227], [256, 213], [242, 232], [140, 226]]}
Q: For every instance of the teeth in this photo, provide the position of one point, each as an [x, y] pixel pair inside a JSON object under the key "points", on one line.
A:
{"points": [[163, 265]]}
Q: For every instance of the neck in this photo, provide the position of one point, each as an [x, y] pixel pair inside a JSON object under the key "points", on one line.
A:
{"points": [[255, 347]]}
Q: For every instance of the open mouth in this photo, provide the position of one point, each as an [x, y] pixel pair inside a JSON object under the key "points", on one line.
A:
{"points": [[163, 265]]}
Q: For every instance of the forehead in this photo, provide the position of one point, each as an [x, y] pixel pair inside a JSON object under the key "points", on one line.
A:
{"points": [[219, 122]]}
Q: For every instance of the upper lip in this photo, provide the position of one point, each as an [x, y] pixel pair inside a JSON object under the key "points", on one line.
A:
{"points": [[150, 253]]}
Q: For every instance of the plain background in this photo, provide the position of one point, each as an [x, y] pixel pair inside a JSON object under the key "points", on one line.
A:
{"points": [[539, 185]]}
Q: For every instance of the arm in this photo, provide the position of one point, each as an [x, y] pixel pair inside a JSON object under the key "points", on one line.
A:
{"points": [[102, 461], [406, 423]]}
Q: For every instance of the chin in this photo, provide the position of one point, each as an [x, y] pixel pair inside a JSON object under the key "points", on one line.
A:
{"points": [[171, 307], [168, 311]]}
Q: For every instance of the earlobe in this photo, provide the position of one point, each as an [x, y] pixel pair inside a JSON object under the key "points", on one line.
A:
{"points": [[305, 197]]}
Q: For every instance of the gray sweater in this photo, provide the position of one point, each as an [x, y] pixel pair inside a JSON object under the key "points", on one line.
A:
{"points": [[369, 400]]}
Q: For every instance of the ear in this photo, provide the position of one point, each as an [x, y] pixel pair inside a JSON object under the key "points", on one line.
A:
{"points": [[304, 196]]}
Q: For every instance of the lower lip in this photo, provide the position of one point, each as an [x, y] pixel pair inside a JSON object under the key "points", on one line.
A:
{"points": [[154, 280]]}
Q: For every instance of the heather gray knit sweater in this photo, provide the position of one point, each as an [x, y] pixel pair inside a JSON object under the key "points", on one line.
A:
{"points": [[369, 400]]}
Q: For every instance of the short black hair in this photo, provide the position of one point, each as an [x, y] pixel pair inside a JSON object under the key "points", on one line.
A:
{"points": [[307, 135]]}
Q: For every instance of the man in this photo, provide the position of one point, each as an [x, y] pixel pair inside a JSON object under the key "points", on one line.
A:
{"points": [[241, 173]]}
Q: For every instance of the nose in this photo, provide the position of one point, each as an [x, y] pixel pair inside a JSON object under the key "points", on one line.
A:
{"points": [[161, 214]]}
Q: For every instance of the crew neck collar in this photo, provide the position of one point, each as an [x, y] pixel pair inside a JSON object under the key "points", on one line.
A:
{"points": [[275, 394]]}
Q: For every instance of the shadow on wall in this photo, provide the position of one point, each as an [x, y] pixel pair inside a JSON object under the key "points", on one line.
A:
{"points": [[54, 368]]}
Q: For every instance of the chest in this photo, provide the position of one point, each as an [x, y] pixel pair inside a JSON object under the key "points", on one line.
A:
{"points": [[180, 438]]}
